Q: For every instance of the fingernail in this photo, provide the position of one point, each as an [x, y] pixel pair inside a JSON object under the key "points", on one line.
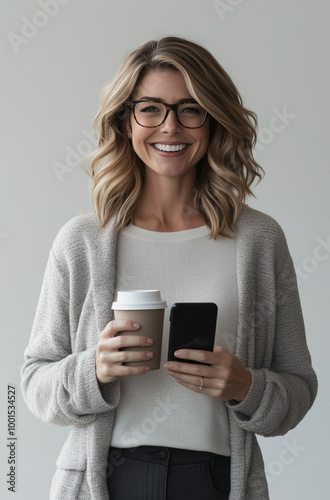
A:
{"points": [[150, 341], [150, 354], [136, 325], [178, 353], [167, 365]]}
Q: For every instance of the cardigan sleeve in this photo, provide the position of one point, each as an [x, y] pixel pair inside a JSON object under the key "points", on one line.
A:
{"points": [[60, 386], [281, 394]]}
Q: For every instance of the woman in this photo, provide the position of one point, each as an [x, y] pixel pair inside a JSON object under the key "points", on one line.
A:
{"points": [[173, 168]]}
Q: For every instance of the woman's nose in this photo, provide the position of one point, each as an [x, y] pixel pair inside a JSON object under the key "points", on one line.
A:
{"points": [[171, 124]]}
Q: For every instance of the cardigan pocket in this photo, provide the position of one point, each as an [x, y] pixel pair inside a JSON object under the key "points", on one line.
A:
{"points": [[69, 484], [70, 478], [73, 454]]}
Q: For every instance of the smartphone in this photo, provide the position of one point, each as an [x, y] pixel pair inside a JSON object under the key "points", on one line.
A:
{"points": [[192, 326]]}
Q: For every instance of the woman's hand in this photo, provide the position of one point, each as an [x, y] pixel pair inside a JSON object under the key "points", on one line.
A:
{"points": [[109, 358], [225, 379]]}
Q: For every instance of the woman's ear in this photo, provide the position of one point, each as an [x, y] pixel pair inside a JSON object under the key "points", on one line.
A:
{"points": [[127, 123]]}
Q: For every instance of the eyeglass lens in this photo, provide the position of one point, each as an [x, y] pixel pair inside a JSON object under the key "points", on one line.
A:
{"points": [[152, 114]]}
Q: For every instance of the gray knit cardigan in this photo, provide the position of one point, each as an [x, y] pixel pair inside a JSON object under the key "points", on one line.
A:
{"points": [[58, 377]]}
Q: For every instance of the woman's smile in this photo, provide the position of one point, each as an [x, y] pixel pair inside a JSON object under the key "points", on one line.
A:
{"points": [[169, 149]]}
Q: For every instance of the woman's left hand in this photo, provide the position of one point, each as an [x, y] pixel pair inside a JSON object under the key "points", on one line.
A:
{"points": [[226, 378]]}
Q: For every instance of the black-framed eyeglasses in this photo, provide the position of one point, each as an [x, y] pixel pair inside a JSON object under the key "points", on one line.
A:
{"points": [[152, 113]]}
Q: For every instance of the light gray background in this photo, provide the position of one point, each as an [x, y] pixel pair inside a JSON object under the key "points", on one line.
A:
{"points": [[277, 54]]}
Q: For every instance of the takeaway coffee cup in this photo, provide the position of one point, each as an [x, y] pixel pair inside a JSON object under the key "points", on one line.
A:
{"points": [[146, 308]]}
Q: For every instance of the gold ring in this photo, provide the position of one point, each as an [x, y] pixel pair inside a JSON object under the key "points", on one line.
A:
{"points": [[202, 384]]}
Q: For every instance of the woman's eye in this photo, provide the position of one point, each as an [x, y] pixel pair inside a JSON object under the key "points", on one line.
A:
{"points": [[149, 109], [191, 110]]}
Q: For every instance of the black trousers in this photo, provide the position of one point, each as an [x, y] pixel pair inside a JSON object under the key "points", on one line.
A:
{"points": [[158, 473]]}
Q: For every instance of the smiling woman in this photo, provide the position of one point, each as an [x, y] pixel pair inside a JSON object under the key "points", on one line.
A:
{"points": [[170, 176]]}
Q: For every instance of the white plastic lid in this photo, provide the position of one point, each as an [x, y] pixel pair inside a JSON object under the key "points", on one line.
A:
{"points": [[138, 300]]}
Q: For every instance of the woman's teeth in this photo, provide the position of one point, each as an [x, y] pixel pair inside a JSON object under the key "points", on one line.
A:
{"points": [[167, 147]]}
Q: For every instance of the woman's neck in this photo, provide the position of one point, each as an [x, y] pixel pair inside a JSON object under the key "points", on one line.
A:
{"points": [[167, 204]]}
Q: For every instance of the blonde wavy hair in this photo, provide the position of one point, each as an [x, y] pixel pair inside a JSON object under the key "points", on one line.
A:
{"points": [[224, 174]]}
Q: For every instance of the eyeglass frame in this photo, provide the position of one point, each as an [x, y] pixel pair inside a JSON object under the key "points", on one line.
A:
{"points": [[169, 107]]}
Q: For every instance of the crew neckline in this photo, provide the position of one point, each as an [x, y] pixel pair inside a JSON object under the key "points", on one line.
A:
{"points": [[146, 234]]}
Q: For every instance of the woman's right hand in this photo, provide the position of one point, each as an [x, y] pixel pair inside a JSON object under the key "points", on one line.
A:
{"points": [[109, 358]]}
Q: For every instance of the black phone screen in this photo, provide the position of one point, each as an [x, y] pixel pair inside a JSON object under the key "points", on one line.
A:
{"points": [[192, 326]]}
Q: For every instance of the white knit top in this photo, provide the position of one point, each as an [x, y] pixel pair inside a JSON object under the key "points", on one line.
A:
{"points": [[186, 266]]}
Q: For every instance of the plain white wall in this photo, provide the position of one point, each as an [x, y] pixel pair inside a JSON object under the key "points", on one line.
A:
{"points": [[52, 74]]}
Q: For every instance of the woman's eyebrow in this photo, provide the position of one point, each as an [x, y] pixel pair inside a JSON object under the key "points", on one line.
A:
{"points": [[158, 99]]}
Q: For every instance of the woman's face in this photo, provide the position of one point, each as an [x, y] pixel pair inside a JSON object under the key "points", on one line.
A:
{"points": [[169, 86]]}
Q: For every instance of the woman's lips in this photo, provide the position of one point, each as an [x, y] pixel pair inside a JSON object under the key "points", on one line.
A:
{"points": [[170, 149]]}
